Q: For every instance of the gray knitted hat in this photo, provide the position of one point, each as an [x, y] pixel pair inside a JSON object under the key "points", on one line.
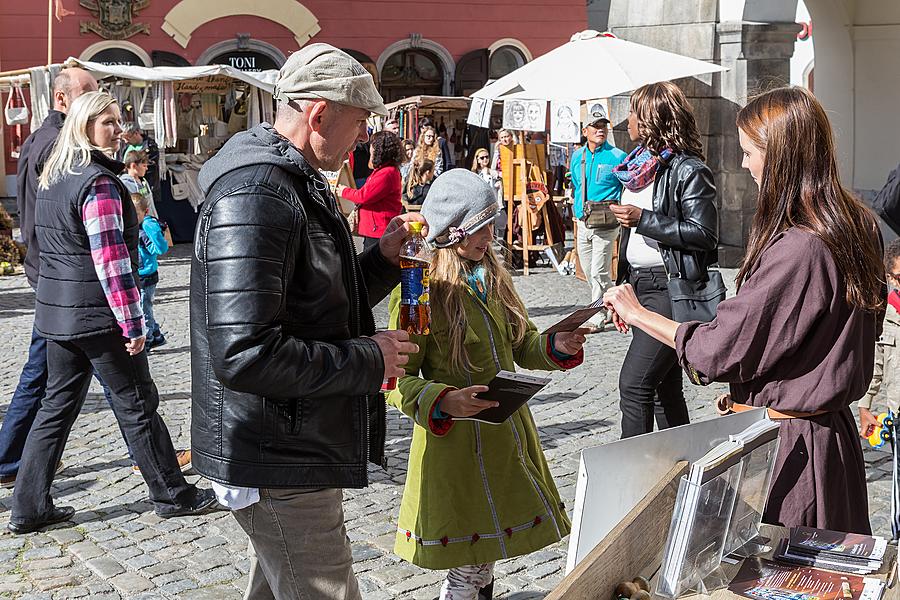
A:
{"points": [[320, 71], [458, 204]]}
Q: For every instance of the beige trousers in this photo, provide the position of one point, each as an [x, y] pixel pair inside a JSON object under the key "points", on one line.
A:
{"points": [[595, 252], [298, 546]]}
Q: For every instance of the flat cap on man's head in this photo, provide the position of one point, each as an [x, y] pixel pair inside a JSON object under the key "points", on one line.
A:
{"points": [[323, 72]]}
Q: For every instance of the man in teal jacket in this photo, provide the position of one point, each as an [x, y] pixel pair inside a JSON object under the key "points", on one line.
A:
{"points": [[593, 180]]}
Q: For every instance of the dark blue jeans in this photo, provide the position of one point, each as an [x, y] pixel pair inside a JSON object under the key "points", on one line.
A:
{"points": [[134, 403], [25, 403]]}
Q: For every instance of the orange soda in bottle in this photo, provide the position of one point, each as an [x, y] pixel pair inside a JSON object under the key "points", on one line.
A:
{"points": [[415, 264]]}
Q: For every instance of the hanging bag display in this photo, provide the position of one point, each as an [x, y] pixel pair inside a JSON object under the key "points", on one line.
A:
{"points": [[146, 117], [16, 115], [595, 215]]}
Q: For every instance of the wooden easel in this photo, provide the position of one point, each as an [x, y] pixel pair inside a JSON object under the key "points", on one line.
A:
{"points": [[522, 165]]}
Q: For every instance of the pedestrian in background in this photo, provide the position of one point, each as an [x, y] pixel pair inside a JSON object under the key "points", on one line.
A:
{"points": [[134, 178], [135, 139], [428, 148], [799, 336], [88, 309], [446, 161], [151, 244], [469, 486], [26, 400], [594, 188], [409, 147], [481, 165], [669, 225], [379, 197], [392, 125], [885, 387], [419, 183]]}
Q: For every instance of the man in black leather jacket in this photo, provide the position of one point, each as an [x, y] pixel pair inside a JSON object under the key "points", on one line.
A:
{"points": [[286, 363]]}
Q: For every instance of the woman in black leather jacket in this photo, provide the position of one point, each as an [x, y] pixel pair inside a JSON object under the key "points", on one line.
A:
{"points": [[669, 221]]}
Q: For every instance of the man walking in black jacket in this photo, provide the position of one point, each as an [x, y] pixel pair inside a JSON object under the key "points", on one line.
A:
{"points": [[26, 400], [286, 364]]}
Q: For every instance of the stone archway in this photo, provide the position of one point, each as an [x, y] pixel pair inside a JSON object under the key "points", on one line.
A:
{"points": [[188, 15], [414, 41]]}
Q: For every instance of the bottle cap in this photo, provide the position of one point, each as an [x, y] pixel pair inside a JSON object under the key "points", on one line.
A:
{"points": [[415, 226]]}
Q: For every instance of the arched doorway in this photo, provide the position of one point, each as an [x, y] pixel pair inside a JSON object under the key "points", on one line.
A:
{"points": [[411, 72], [505, 60], [244, 54], [117, 52], [365, 61], [507, 55]]}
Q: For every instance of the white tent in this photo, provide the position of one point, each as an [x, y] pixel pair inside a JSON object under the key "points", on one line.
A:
{"points": [[265, 80], [593, 65]]}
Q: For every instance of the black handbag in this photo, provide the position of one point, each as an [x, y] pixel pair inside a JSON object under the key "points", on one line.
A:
{"points": [[695, 300], [595, 215], [695, 291]]}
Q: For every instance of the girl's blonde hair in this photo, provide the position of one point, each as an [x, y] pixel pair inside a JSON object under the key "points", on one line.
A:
{"points": [[478, 154], [73, 146], [449, 294], [423, 150]]}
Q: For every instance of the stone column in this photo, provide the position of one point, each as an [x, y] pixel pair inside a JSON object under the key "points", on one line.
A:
{"points": [[758, 58], [755, 53]]}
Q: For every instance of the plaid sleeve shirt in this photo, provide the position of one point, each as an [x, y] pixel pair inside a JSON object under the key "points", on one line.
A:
{"points": [[102, 216]]}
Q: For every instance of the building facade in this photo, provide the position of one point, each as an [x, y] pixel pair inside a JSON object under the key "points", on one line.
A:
{"points": [[410, 46], [857, 79]]}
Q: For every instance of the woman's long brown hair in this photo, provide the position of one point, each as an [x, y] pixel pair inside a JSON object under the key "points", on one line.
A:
{"points": [[666, 119], [801, 187]]}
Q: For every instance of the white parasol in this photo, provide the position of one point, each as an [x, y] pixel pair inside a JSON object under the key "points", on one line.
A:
{"points": [[593, 65]]}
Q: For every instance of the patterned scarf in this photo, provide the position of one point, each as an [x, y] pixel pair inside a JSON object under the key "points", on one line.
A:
{"points": [[639, 168], [476, 279]]}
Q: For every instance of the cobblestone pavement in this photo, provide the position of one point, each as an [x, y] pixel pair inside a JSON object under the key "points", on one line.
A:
{"points": [[119, 549]]}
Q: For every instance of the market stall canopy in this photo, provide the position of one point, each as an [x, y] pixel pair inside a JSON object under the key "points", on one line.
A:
{"points": [[265, 80], [593, 65], [432, 102]]}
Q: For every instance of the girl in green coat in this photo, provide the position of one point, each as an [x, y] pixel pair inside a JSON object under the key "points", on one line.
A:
{"points": [[475, 493]]}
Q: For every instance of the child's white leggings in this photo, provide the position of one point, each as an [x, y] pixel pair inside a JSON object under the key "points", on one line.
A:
{"points": [[463, 583]]}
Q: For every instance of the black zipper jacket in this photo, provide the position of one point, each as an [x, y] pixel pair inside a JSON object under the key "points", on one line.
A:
{"points": [[684, 219], [285, 389]]}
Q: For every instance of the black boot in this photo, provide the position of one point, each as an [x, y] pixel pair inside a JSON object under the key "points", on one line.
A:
{"points": [[487, 592]]}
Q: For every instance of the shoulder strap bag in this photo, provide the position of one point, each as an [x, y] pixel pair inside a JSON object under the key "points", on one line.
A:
{"points": [[16, 115], [594, 215], [692, 299]]}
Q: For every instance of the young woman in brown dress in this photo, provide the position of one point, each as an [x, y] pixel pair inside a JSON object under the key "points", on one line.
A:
{"points": [[799, 336]]}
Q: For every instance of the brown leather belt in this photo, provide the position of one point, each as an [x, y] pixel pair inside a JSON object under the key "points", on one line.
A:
{"points": [[724, 406]]}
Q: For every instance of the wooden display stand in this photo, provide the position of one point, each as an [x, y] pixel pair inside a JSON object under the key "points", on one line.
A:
{"points": [[635, 547], [523, 166]]}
